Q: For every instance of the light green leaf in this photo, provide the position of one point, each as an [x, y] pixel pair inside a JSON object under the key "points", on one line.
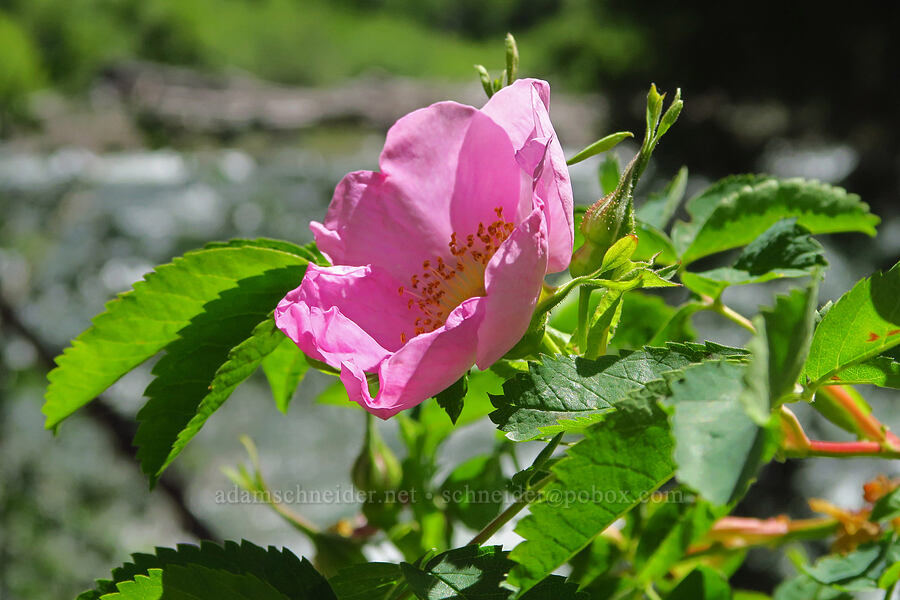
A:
{"points": [[839, 568], [296, 579], [602, 145], [864, 323], [804, 587], [653, 243], [220, 348], [701, 584], [659, 207], [142, 322], [786, 249], [142, 587], [601, 478], [718, 447], [569, 392], [737, 210], [882, 371], [608, 175], [284, 367], [603, 323]]}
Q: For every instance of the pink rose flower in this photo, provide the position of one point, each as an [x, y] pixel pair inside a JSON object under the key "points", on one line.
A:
{"points": [[439, 257]]}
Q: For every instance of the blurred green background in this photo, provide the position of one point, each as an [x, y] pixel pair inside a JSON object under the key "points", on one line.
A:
{"points": [[134, 130]]}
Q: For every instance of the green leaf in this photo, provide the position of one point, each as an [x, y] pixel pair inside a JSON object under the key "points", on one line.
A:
{"points": [[779, 348], [786, 249], [608, 175], [718, 447], [569, 392], [653, 243], [470, 572], [701, 584], [887, 507], [603, 323], [538, 469], [296, 579], [804, 587], [452, 399], [195, 582], [284, 367], [142, 587], [140, 323], [555, 587], [864, 323], [602, 145], [659, 207], [840, 568], [736, 211], [367, 581], [666, 535], [881, 371], [219, 349], [601, 478]]}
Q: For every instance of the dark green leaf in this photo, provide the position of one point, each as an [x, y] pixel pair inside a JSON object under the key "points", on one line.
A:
{"points": [[718, 447], [887, 507], [285, 368], [195, 582], [293, 577], [784, 250], [220, 348], [840, 568], [555, 587], [143, 321], [701, 584], [471, 573], [864, 323], [570, 392], [737, 210], [368, 581], [452, 399], [601, 478]]}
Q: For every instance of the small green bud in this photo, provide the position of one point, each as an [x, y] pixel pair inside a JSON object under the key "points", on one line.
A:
{"points": [[604, 223], [376, 469], [512, 59]]}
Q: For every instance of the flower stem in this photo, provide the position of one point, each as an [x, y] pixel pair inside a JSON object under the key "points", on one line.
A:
{"points": [[503, 518], [548, 346], [732, 315], [584, 306]]}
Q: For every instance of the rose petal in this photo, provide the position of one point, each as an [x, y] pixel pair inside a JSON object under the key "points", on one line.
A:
{"points": [[444, 168], [513, 282], [428, 364], [522, 109]]}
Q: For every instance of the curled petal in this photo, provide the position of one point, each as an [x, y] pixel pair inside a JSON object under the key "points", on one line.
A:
{"points": [[426, 365], [522, 109], [513, 282]]}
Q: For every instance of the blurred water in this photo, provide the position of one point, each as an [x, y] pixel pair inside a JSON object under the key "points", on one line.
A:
{"points": [[78, 227]]}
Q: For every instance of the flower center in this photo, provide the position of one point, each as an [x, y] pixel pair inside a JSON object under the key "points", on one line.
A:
{"points": [[442, 286]]}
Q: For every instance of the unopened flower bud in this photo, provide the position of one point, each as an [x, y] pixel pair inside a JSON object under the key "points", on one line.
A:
{"points": [[607, 221], [376, 469]]}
